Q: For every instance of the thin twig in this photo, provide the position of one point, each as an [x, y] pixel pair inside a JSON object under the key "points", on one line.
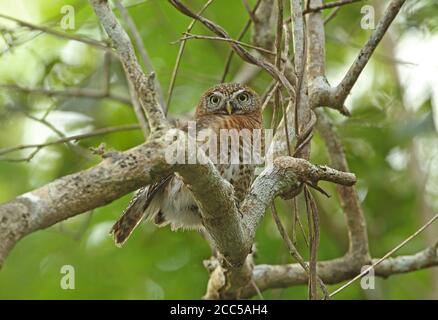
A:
{"points": [[256, 288], [294, 219], [269, 94], [25, 159], [138, 41], [344, 40], [95, 133], [275, 108], [293, 251], [306, 134], [278, 104], [188, 36], [329, 5], [284, 109], [106, 72], [332, 15], [243, 53], [139, 112], [338, 96], [240, 37], [297, 219], [386, 256], [312, 218], [286, 127], [69, 92], [144, 85], [43, 120], [182, 47], [356, 225], [91, 42], [251, 13]]}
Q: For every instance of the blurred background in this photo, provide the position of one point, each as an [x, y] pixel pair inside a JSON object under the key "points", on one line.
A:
{"points": [[390, 139]]}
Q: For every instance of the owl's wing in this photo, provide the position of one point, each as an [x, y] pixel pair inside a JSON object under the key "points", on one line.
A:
{"points": [[139, 207]]}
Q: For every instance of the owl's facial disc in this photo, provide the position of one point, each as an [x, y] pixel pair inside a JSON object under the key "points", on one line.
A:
{"points": [[229, 100]]}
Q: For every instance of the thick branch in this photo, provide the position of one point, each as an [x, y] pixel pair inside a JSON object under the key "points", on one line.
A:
{"points": [[298, 33], [66, 197], [221, 218], [285, 176], [126, 171], [231, 228], [316, 44]]}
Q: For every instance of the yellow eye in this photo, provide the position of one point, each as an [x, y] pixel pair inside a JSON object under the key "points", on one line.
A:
{"points": [[214, 99], [243, 97]]}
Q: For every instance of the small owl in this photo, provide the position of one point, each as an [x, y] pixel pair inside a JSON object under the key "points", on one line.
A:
{"points": [[224, 106]]}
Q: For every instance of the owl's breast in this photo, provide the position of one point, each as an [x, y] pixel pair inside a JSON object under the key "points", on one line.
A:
{"points": [[240, 177]]}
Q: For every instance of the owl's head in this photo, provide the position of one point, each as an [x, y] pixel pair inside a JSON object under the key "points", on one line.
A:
{"points": [[229, 99]]}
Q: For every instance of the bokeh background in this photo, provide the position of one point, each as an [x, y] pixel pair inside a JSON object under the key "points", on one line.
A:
{"points": [[390, 139]]}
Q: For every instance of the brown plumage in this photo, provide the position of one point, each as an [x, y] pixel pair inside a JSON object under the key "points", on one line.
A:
{"points": [[225, 106]]}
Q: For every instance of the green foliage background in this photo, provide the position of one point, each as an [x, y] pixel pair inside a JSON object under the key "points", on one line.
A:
{"points": [[157, 263]]}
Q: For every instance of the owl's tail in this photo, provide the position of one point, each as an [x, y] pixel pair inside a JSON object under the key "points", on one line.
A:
{"points": [[139, 208]]}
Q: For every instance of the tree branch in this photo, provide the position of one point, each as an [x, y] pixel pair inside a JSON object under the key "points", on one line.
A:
{"points": [[182, 47], [91, 42], [126, 171], [66, 197], [316, 44], [231, 228], [242, 33], [386, 256], [366, 52], [284, 177], [357, 233], [317, 7], [144, 86], [324, 95], [244, 54], [69, 92], [345, 268], [140, 45], [82, 136], [188, 36], [337, 270]]}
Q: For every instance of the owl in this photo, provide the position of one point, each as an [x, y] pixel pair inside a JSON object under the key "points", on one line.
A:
{"points": [[169, 202]]}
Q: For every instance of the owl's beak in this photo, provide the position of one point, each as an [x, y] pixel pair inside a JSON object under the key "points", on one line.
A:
{"points": [[229, 108]]}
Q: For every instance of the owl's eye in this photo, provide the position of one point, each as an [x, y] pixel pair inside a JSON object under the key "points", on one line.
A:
{"points": [[243, 97], [214, 99]]}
